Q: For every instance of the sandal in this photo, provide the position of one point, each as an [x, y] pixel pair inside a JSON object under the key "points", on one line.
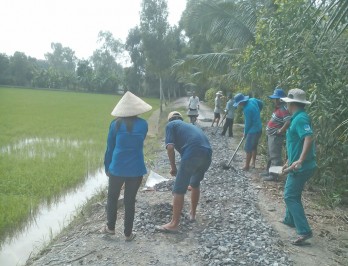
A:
{"points": [[301, 240], [131, 237], [105, 230]]}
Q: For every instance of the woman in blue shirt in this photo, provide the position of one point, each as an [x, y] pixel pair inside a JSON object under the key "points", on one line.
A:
{"points": [[124, 159]]}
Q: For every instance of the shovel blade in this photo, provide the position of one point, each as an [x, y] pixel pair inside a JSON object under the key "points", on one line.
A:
{"points": [[276, 170]]}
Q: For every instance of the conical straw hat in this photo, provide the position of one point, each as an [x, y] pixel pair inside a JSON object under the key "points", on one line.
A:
{"points": [[130, 105]]}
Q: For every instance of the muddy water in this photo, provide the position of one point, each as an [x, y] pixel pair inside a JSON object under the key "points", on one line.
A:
{"points": [[49, 221]]}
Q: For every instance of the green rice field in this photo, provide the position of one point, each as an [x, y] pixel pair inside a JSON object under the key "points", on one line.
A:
{"points": [[49, 142]]}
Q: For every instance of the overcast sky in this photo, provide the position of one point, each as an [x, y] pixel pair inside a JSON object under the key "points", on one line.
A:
{"points": [[30, 26]]}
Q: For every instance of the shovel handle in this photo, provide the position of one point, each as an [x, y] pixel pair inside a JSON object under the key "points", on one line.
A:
{"points": [[240, 143], [287, 170], [223, 118], [220, 124]]}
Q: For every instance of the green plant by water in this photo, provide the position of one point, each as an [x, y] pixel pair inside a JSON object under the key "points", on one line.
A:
{"points": [[49, 142]]}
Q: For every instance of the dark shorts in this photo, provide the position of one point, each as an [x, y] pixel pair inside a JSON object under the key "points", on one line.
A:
{"points": [[217, 115], [252, 140], [191, 172]]}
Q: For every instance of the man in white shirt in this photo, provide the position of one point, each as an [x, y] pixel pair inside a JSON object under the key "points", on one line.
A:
{"points": [[193, 107]]}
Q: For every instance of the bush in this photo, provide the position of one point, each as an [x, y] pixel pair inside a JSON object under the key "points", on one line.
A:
{"points": [[210, 96]]}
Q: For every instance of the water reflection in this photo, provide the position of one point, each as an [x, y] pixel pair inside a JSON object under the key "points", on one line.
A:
{"points": [[49, 220], [33, 147]]}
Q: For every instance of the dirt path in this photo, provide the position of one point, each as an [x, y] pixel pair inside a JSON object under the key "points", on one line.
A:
{"points": [[330, 227], [236, 224]]}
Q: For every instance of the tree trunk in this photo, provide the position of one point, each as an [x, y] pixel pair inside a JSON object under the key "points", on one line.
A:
{"points": [[168, 95], [174, 92], [161, 94]]}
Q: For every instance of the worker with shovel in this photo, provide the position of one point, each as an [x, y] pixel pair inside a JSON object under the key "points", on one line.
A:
{"points": [[301, 164], [196, 153], [229, 117], [253, 127], [275, 131]]}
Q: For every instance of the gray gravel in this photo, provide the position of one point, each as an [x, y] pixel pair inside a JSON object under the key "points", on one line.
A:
{"points": [[230, 227]]}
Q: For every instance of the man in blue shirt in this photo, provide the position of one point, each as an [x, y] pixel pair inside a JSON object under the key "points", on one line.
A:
{"points": [[196, 153], [229, 117], [252, 129]]}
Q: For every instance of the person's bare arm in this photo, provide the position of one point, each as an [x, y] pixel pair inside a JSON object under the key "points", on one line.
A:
{"points": [[284, 127], [171, 157], [286, 165]]}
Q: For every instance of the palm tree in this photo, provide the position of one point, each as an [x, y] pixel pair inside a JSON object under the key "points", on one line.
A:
{"points": [[229, 26], [335, 17]]}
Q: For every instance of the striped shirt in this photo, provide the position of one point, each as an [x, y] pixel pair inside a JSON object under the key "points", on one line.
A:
{"points": [[279, 117]]}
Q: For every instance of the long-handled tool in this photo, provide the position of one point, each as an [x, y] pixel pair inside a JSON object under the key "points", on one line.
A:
{"points": [[227, 166], [219, 125]]}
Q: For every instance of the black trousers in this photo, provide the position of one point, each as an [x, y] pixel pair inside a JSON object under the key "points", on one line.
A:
{"points": [[130, 191], [228, 124]]}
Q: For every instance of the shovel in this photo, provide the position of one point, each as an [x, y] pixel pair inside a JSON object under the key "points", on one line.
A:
{"points": [[279, 169], [227, 166], [219, 125]]}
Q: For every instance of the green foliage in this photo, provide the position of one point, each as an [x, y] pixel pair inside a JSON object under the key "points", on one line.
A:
{"points": [[318, 69], [336, 13], [295, 44], [210, 95]]}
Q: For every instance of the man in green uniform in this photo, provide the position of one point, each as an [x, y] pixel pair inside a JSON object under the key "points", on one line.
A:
{"points": [[301, 163]]}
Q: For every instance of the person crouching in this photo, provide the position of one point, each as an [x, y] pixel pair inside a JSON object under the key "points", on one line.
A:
{"points": [[196, 155]]}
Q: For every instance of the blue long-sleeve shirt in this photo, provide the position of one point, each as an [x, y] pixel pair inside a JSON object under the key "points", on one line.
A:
{"points": [[124, 155], [252, 117], [230, 109]]}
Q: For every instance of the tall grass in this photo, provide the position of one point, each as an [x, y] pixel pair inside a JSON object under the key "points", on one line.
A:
{"points": [[68, 132]]}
